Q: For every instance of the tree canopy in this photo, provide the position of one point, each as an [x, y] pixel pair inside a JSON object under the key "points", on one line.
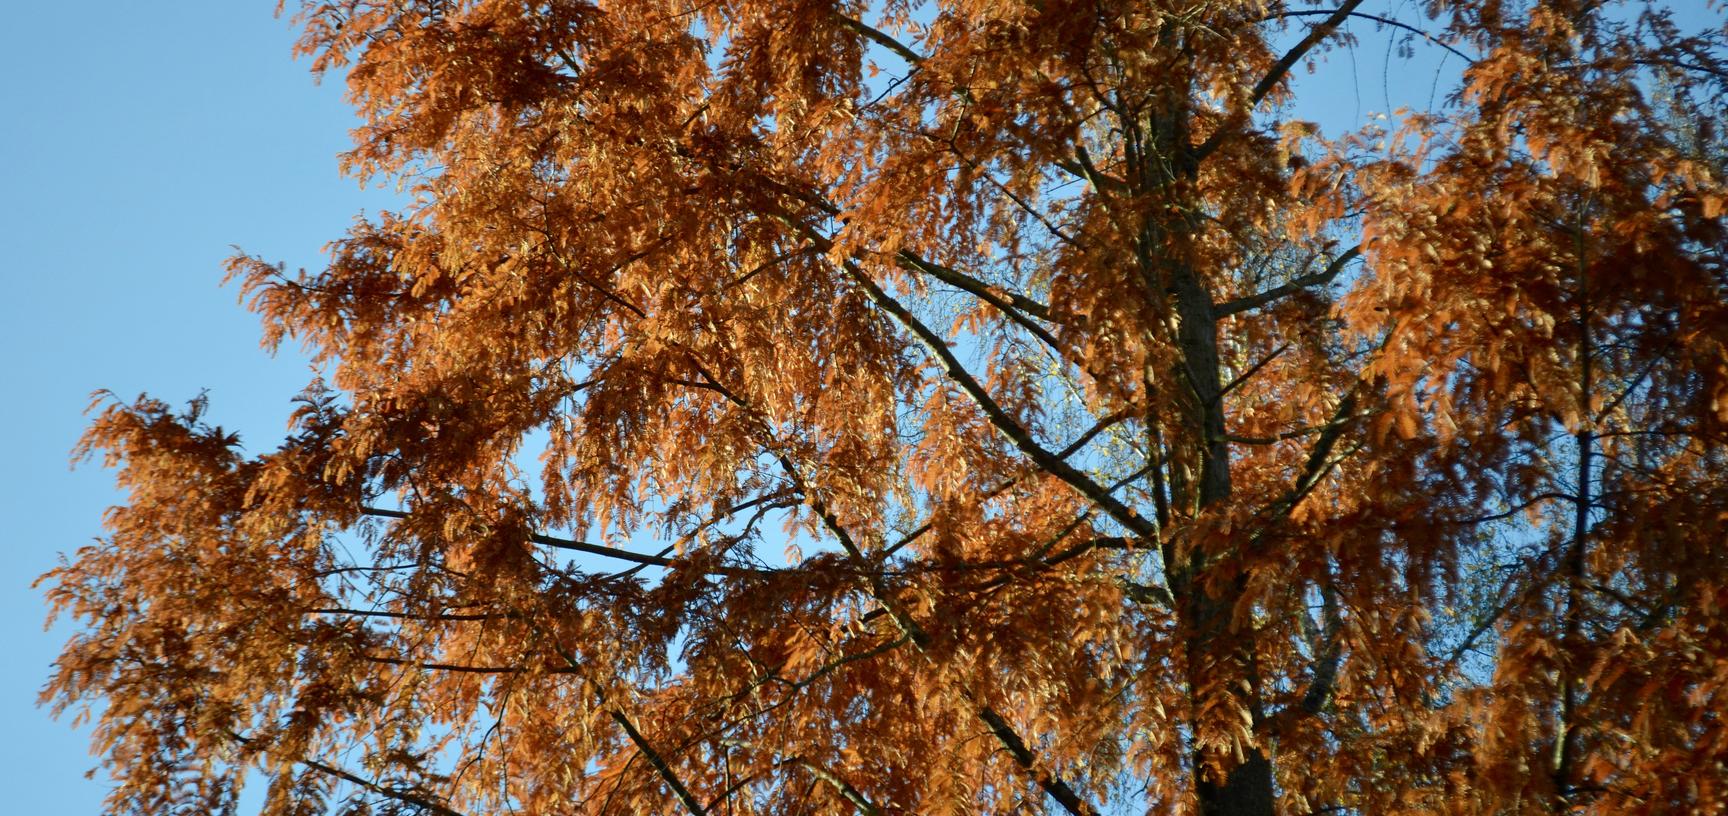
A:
{"points": [[972, 406]]}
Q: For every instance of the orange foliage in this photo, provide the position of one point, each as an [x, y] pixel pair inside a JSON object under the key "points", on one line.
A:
{"points": [[1129, 450]]}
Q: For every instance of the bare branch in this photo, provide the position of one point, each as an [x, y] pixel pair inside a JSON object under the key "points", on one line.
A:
{"points": [[1385, 21], [1282, 67], [878, 37], [1521, 507]]}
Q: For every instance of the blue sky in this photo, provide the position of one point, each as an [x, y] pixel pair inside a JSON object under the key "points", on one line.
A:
{"points": [[139, 142]]}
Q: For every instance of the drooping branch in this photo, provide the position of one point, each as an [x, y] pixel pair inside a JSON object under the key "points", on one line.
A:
{"points": [[993, 412], [1019, 308], [912, 632], [762, 505], [1016, 307], [1074, 447], [381, 613], [559, 543], [1516, 509], [1019, 200], [791, 686], [872, 578], [460, 668], [910, 629]]}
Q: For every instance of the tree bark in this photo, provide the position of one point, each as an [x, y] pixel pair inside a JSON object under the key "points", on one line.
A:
{"points": [[1216, 658]]}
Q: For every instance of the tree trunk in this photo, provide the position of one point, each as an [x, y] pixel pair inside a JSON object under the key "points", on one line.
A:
{"points": [[1205, 611], [1162, 164]]}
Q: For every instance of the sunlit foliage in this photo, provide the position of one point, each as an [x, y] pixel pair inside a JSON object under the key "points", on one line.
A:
{"points": [[973, 406]]}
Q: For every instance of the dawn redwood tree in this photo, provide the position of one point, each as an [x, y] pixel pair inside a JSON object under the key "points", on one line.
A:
{"points": [[961, 406]]}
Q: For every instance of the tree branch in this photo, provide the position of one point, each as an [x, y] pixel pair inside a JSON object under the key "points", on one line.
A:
{"points": [[1521, 507], [1319, 461], [998, 418], [1058, 789], [1385, 21], [1073, 447], [406, 798], [1320, 278], [380, 613], [591, 549], [462, 668], [841, 786], [1280, 69], [1238, 380], [1329, 653], [876, 36], [659, 763], [1016, 306], [908, 627], [364, 783]]}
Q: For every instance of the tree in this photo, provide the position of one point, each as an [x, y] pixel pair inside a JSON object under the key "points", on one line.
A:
{"points": [[1130, 447]]}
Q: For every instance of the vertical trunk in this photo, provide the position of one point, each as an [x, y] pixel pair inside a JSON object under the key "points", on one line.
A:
{"points": [[1215, 656], [1162, 162]]}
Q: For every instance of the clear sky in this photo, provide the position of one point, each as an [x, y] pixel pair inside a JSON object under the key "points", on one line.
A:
{"points": [[139, 141]]}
